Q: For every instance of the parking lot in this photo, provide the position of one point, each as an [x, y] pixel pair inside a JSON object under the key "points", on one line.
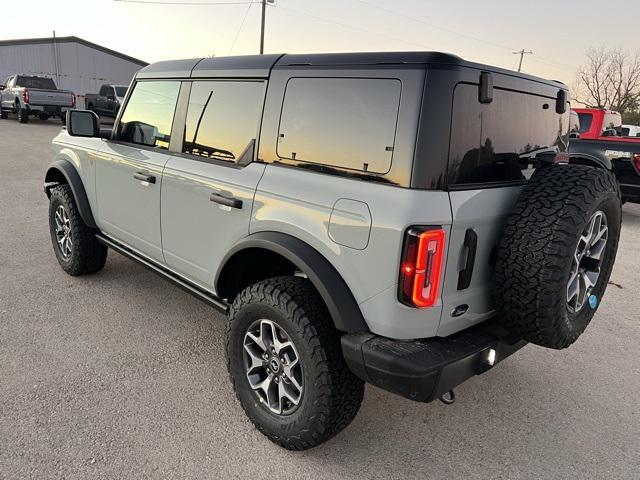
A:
{"points": [[122, 375]]}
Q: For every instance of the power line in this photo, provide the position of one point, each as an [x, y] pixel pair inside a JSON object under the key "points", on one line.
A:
{"points": [[454, 32], [344, 25], [522, 53], [187, 3], [433, 25], [246, 14]]}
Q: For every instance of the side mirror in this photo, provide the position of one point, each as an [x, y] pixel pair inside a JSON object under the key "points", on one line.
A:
{"points": [[83, 123], [2, 87], [575, 135], [610, 132]]}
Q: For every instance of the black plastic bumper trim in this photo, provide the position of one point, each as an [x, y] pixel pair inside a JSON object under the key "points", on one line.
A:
{"points": [[423, 370]]}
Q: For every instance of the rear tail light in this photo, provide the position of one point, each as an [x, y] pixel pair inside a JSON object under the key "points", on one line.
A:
{"points": [[636, 161], [73, 100], [421, 266], [25, 96]]}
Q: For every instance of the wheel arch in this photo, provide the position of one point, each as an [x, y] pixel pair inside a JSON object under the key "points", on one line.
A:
{"points": [[591, 160], [63, 172], [281, 254]]}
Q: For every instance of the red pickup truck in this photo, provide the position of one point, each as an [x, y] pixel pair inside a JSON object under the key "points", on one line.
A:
{"points": [[596, 137]]}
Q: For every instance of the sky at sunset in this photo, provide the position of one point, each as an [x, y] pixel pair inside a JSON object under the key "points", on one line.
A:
{"points": [[558, 32]]}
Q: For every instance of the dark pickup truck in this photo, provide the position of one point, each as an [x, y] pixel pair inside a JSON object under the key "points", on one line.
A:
{"points": [[108, 100], [597, 137]]}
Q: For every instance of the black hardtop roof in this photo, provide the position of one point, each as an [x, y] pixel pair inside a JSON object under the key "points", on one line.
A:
{"points": [[260, 66]]}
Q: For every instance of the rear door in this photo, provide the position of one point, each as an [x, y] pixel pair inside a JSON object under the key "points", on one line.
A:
{"points": [[129, 168], [208, 188], [492, 155]]}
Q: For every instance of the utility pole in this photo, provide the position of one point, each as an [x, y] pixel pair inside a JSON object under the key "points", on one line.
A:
{"points": [[264, 11], [522, 53]]}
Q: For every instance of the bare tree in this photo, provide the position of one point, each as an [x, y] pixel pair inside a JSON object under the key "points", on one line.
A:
{"points": [[610, 79]]}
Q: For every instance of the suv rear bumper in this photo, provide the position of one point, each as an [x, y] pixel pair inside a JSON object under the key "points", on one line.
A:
{"points": [[424, 370]]}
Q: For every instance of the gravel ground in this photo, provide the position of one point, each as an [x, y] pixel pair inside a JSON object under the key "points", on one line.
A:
{"points": [[121, 375]]}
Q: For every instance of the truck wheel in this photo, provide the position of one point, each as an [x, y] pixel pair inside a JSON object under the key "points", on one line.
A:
{"points": [[63, 118], [43, 116], [23, 114], [90, 107], [286, 366], [557, 253], [3, 113], [75, 245]]}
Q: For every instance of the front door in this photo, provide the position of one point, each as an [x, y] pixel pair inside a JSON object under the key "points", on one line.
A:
{"points": [[129, 168], [208, 188]]}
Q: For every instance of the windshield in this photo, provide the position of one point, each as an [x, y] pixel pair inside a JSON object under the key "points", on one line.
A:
{"points": [[35, 82], [121, 91]]}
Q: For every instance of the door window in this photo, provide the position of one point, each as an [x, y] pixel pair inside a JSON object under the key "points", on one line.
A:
{"points": [[222, 119], [341, 122], [148, 115]]}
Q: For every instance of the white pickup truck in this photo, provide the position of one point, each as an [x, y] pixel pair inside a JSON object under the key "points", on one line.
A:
{"points": [[28, 95]]}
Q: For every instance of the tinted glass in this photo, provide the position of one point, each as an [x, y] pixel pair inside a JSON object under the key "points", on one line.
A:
{"points": [[625, 131], [341, 122], [103, 91], [222, 118], [35, 82], [497, 142], [148, 115], [121, 91], [586, 119]]}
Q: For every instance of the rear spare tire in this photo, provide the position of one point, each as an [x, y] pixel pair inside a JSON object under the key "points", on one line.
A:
{"points": [[557, 252]]}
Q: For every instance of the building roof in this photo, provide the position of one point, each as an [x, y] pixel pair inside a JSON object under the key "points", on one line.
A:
{"points": [[72, 39]]}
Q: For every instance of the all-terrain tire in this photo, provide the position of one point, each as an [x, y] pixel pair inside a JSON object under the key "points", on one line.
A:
{"points": [[536, 254], [87, 254], [23, 114], [331, 395]]}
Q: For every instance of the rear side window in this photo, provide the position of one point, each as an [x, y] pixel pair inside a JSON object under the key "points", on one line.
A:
{"points": [[586, 119], [35, 82], [222, 118], [340, 122], [148, 116], [496, 142]]}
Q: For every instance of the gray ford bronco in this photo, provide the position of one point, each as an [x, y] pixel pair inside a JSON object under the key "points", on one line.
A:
{"points": [[407, 220]]}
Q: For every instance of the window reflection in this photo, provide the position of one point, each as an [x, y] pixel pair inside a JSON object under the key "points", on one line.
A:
{"points": [[148, 115], [341, 122], [222, 118], [499, 142]]}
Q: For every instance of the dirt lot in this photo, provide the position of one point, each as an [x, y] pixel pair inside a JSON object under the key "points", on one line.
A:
{"points": [[121, 375]]}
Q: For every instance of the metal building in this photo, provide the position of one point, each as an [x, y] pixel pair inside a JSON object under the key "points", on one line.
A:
{"points": [[74, 64]]}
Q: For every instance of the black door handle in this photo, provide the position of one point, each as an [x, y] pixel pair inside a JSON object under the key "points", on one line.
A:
{"points": [[143, 177], [471, 242], [226, 200]]}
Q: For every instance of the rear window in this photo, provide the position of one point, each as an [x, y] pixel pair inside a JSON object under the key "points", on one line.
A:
{"points": [[35, 82], [625, 131], [497, 142], [121, 91], [340, 122]]}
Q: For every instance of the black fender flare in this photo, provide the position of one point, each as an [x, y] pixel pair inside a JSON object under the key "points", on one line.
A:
{"points": [[72, 176], [586, 158], [340, 302]]}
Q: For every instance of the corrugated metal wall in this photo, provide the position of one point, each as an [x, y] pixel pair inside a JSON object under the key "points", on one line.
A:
{"points": [[81, 69]]}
